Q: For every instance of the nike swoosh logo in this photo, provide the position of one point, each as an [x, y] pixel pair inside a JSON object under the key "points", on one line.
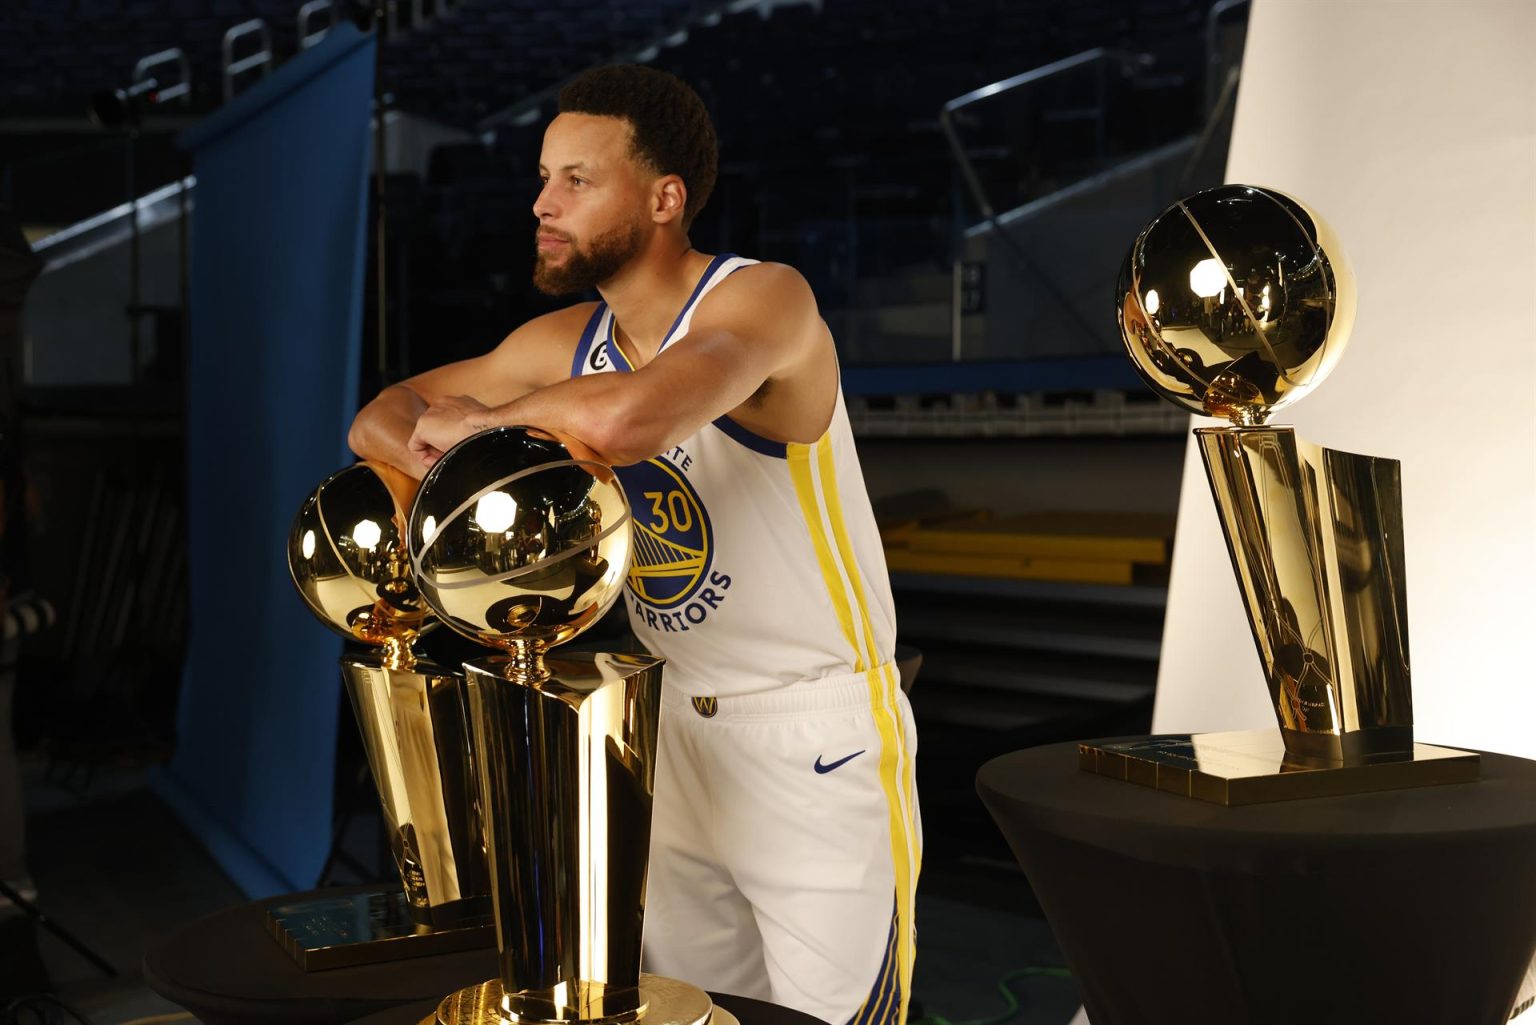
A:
{"points": [[823, 769]]}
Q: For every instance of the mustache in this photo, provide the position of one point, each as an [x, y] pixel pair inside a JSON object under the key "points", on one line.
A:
{"points": [[539, 233]]}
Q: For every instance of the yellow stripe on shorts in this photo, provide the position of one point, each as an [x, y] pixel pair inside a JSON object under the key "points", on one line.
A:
{"points": [[895, 763]]}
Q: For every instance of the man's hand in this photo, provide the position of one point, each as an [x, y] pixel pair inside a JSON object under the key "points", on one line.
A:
{"points": [[445, 424]]}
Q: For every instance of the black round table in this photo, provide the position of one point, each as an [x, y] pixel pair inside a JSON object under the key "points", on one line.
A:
{"points": [[1408, 907], [227, 970]]}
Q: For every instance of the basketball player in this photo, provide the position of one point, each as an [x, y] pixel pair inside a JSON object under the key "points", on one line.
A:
{"points": [[786, 837]]}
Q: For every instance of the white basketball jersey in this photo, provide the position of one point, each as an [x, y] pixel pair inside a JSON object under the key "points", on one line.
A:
{"points": [[757, 563]]}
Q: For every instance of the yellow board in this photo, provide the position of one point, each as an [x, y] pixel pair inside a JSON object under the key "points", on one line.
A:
{"points": [[1089, 571], [897, 531], [1067, 536]]}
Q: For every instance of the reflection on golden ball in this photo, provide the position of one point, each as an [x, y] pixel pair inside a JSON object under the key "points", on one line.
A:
{"points": [[1235, 301], [348, 558], [513, 539]]}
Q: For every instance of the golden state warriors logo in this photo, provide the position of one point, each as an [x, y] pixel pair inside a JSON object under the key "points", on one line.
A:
{"points": [[672, 534]]}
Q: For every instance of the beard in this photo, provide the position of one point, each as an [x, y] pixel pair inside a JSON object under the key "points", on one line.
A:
{"points": [[586, 268]]}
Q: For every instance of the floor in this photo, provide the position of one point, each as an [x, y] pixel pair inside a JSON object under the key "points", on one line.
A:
{"points": [[115, 868]]}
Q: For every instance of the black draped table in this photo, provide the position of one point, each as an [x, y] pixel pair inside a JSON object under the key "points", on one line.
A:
{"points": [[1409, 907], [227, 970]]}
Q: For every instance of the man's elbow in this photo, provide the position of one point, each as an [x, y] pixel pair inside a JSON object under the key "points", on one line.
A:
{"points": [[381, 426], [355, 437], [368, 437], [358, 435]]}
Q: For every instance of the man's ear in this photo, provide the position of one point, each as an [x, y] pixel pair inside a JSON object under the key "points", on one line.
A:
{"points": [[669, 198]]}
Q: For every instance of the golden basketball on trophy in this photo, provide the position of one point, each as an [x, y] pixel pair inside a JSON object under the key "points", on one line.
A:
{"points": [[520, 546], [514, 542], [349, 560], [1235, 302]]}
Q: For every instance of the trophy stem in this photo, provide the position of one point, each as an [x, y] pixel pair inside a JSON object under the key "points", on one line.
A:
{"points": [[566, 754], [1245, 416], [525, 659], [415, 732], [1316, 541], [397, 654]]}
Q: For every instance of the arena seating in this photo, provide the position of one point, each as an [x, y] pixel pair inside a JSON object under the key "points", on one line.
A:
{"points": [[828, 117]]}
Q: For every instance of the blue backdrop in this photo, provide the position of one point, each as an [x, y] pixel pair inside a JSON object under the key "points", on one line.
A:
{"points": [[277, 252]]}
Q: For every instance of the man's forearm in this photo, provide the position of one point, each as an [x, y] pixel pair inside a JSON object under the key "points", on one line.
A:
{"points": [[595, 410], [382, 428]]}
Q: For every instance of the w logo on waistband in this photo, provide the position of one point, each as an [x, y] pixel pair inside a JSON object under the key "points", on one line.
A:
{"points": [[706, 707], [672, 533]]}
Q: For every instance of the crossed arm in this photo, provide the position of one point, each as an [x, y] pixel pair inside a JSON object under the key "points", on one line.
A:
{"points": [[757, 324]]}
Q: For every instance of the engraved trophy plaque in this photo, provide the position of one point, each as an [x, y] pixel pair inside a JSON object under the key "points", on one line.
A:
{"points": [[348, 559], [1235, 302], [520, 546]]}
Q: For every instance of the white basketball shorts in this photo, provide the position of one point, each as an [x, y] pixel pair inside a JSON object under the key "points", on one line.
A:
{"points": [[785, 847]]}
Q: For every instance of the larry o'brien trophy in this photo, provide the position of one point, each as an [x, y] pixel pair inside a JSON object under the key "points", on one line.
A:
{"points": [[348, 557], [1233, 303], [520, 546]]}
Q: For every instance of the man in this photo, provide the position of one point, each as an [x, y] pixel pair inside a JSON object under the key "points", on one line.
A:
{"points": [[785, 840]]}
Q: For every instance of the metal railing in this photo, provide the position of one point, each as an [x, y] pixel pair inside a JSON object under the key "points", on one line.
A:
{"points": [[1214, 52], [1012, 201], [307, 13], [1221, 80], [261, 59], [1097, 56], [182, 90], [1098, 62]]}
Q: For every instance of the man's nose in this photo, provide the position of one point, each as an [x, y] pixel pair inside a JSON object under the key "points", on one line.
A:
{"points": [[543, 204]]}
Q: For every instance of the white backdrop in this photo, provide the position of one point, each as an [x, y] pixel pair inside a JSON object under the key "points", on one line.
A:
{"points": [[1411, 126]]}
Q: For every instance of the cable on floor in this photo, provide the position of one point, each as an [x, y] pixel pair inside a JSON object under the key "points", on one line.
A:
{"points": [[1005, 987]]}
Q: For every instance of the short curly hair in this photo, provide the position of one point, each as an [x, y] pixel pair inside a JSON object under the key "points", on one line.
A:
{"points": [[672, 133]]}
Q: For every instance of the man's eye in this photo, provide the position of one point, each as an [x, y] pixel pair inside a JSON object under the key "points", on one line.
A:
{"points": [[578, 181]]}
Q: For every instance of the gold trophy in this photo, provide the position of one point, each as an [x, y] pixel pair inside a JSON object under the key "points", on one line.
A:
{"points": [[520, 546], [1233, 303], [348, 558]]}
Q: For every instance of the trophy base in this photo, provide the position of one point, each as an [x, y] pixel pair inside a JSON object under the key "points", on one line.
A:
{"points": [[1252, 767], [367, 928], [664, 1002]]}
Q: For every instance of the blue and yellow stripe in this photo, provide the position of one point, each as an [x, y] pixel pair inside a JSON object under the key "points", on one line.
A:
{"points": [[885, 1003], [814, 472]]}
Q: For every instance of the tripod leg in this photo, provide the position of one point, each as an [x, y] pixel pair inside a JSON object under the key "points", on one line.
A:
{"points": [[63, 934], [360, 789]]}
